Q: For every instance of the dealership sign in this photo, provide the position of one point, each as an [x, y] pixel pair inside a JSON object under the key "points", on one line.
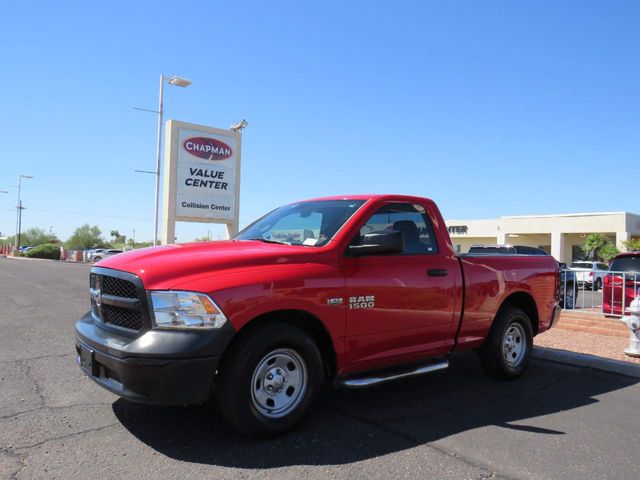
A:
{"points": [[202, 175]]}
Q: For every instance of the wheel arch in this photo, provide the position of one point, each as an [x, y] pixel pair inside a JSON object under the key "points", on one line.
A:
{"points": [[525, 302], [302, 319]]}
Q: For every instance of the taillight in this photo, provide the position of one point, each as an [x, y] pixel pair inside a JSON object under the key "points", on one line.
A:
{"points": [[612, 280]]}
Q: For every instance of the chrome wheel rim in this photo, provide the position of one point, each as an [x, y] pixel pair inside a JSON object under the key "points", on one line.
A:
{"points": [[278, 383], [514, 345]]}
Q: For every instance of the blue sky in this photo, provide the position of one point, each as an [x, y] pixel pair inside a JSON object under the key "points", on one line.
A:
{"points": [[490, 108]]}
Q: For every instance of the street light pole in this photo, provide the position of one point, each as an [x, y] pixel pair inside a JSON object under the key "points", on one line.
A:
{"points": [[19, 208], [156, 200], [179, 82]]}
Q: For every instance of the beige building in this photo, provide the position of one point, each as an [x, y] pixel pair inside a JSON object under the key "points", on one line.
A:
{"points": [[561, 235]]}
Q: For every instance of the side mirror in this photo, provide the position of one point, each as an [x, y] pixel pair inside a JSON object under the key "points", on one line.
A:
{"points": [[378, 243]]}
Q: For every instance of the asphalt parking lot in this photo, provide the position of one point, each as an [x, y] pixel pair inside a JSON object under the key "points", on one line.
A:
{"points": [[556, 422]]}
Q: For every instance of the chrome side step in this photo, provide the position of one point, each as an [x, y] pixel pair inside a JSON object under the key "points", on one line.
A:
{"points": [[364, 382]]}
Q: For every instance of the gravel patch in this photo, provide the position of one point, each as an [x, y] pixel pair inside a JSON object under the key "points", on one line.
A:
{"points": [[600, 345]]}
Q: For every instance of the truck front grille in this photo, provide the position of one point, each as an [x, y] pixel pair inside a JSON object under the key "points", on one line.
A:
{"points": [[117, 299], [118, 287], [122, 317]]}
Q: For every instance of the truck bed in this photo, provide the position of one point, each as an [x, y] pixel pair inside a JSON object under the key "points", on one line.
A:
{"points": [[490, 279]]}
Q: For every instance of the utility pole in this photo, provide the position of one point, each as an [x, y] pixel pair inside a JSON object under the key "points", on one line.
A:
{"points": [[19, 209]]}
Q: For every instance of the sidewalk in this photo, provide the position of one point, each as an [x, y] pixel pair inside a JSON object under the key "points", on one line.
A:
{"points": [[590, 334]]}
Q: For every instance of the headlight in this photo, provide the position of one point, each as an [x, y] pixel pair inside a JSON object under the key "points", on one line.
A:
{"points": [[186, 310]]}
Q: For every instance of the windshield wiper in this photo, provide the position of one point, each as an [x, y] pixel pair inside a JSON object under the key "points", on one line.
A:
{"points": [[266, 240]]}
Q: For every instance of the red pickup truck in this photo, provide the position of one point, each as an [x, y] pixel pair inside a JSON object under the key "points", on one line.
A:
{"points": [[358, 290]]}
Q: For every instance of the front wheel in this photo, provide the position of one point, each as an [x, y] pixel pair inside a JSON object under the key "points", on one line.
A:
{"points": [[507, 351], [270, 379]]}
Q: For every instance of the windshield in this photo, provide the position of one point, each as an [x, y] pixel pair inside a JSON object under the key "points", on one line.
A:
{"points": [[626, 264], [311, 224]]}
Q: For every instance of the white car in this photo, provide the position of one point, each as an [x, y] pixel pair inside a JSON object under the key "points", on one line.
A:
{"points": [[105, 253], [589, 274]]}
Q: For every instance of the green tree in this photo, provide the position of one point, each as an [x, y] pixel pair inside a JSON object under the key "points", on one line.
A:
{"points": [[632, 245], [204, 238], [593, 245], [32, 236], [86, 237], [131, 244], [36, 236], [118, 240], [608, 252]]}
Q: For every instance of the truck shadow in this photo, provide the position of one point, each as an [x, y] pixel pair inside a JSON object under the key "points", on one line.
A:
{"points": [[348, 426]]}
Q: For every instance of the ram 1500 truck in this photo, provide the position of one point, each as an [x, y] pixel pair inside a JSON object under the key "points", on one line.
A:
{"points": [[357, 290]]}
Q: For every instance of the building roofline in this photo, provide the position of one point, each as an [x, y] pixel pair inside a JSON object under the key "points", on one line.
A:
{"points": [[585, 214]]}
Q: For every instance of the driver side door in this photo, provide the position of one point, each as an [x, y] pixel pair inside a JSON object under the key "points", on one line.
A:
{"points": [[400, 307]]}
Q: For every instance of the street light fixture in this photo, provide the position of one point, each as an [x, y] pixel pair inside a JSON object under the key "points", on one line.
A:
{"points": [[179, 81], [19, 209]]}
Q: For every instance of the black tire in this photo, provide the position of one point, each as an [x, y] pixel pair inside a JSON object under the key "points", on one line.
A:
{"points": [[241, 387], [569, 300], [96, 259], [598, 284], [496, 359]]}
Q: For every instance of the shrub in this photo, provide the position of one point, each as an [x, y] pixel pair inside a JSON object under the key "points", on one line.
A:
{"points": [[47, 250]]}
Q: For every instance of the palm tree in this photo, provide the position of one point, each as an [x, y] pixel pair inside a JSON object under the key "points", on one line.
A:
{"points": [[594, 245]]}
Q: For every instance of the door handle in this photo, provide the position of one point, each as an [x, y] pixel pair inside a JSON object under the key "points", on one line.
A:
{"points": [[438, 272]]}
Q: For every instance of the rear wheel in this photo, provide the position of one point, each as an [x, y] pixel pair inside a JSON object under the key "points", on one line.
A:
{"points": [[269, 380], [598, 284], [507, 351]]}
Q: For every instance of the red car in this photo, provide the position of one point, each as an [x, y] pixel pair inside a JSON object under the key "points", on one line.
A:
{"points": [[624, 277]]}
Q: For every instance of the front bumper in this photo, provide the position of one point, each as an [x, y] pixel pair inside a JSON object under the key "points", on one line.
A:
{"points": [[157, 366]]}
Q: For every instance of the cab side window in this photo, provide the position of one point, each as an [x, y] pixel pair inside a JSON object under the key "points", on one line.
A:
{"points": [[410, 220]]}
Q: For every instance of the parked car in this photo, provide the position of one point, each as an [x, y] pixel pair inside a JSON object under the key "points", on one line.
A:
{"points": [[568, 287], [589, 274], [94, 252], [25, 248], [505, 250], [622, 285], [351, 290], [105, 253]]}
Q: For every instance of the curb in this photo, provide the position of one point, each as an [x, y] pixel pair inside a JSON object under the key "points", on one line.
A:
{"points": [[586, 360], [11, 257]]}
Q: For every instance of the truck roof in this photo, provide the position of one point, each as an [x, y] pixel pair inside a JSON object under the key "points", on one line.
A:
{"points": [[384, 196]]}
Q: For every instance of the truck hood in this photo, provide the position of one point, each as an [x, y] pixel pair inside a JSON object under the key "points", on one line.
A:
{"points": [[167, 266]]}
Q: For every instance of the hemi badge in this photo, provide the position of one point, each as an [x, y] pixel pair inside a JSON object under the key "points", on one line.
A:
{"points": [[335, 301]]}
